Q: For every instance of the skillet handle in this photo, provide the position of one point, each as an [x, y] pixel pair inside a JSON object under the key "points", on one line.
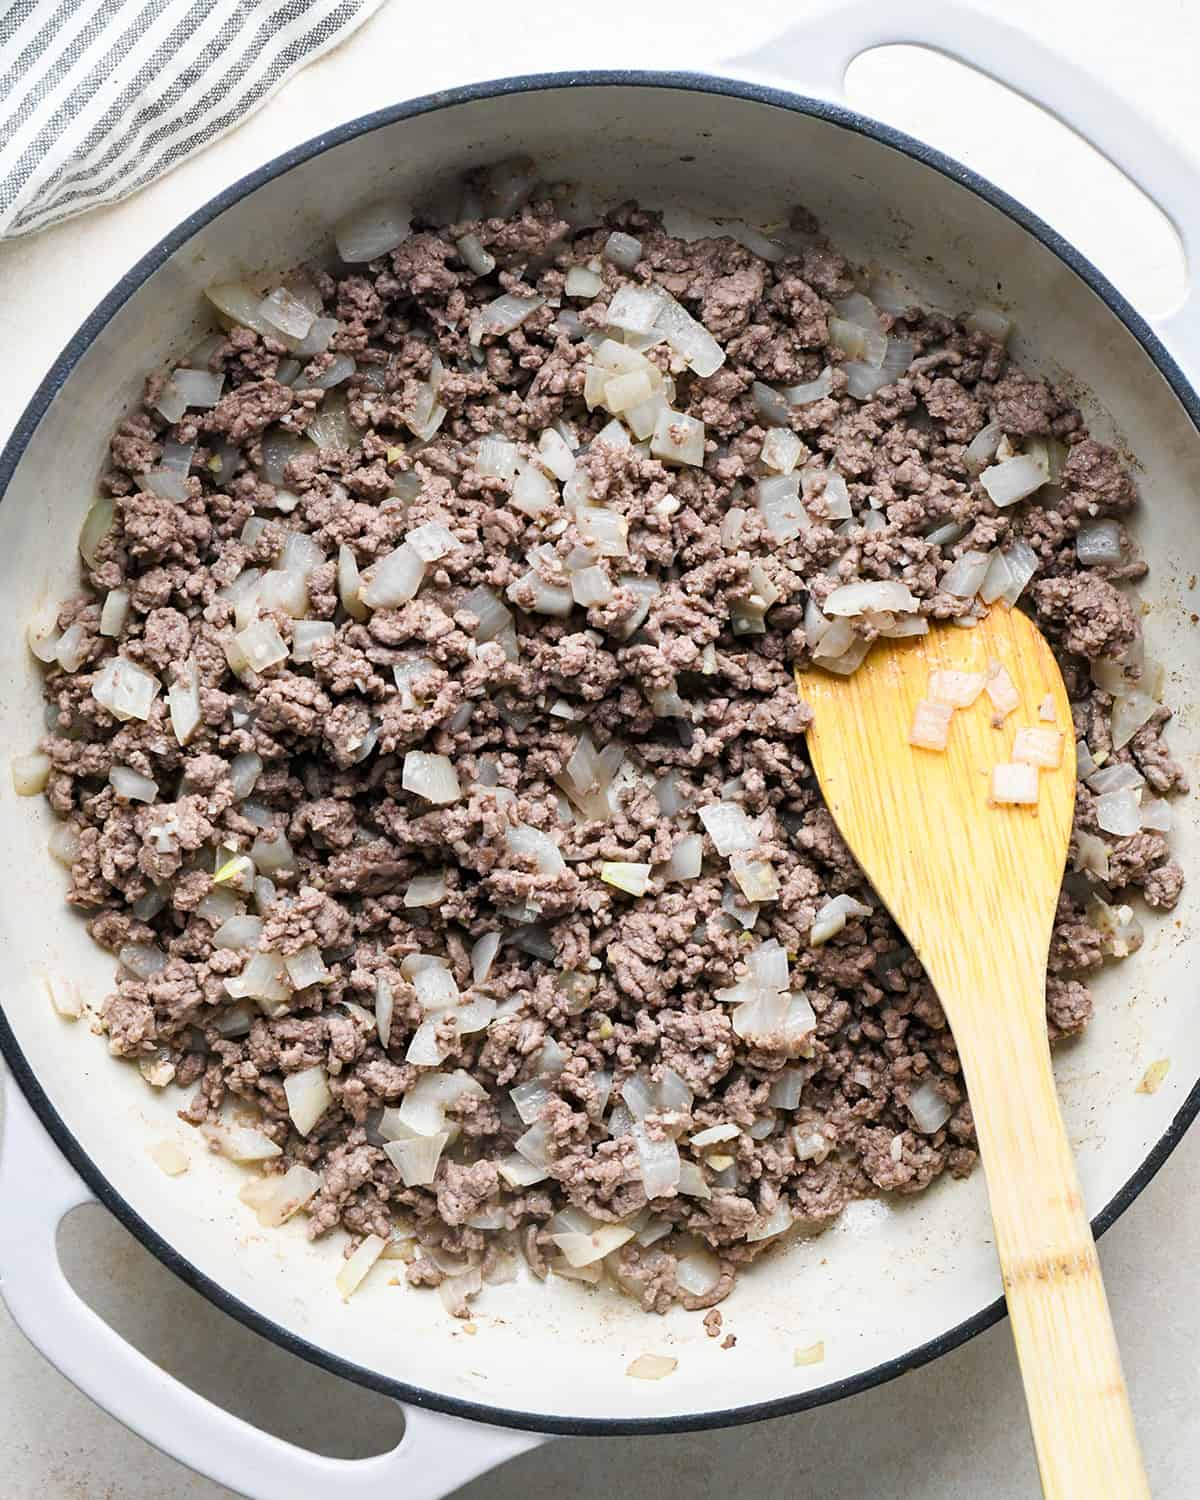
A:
{"points": [[812, 56], [436, 1455]]}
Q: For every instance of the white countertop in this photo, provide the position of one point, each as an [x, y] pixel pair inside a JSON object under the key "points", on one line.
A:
{"points": [[953, 1430]]}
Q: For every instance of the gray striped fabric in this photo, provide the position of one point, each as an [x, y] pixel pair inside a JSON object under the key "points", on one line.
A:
{"points": [[100, 97]]}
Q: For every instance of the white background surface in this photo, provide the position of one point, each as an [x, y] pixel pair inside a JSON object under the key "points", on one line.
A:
{"points": [[955, 1429]]}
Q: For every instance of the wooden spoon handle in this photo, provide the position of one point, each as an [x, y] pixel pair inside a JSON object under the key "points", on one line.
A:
{"points": [[1083, 1429]]}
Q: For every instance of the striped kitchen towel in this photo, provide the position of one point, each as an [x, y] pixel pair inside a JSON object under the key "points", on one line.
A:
{"points": [[100, 97]]}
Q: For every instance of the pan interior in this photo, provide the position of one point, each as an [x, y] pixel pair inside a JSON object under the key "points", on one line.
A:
{"points": [[891, 1275]]}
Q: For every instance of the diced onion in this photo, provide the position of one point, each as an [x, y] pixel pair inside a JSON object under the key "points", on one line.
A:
{"points": [[425, 890], [859, 598], [1013, 479], [980, 451], [1119, 812], [127, 690], [687, 858], [775, 1223], [276, 1199], [393, 580], [958, 689], [183, 701], [1131, 710], [260, 979], [1014, 783], [132, 785], [238, 932], [483, 956], [585, 1249], [306, 967], [371, 231], [930, 728], [115, 613], [651, 1366], [964, 576], [622, 250], [659, 1162], [1038, 747], [810, 391], [503, 315], [833, 916], [432, 777], [731, 831], [634, 879], [928, 1108], [241, 1143], [353, 1272], [1001, 689], [30, 774], [1098, 542]]}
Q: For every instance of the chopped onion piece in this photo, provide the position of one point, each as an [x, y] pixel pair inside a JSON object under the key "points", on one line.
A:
{"points": [[353, 1272], [756, 878], [272, 854], [238, 932], [1013, 479], [1093, 854], [308, 1097], [659, 1162], [930, 729], [980, 451], [1001, 689], [687, 337], [634, 879], [30, 774], [417, 1159], [125, 689], [285, 314], [731, 831], [348, 584], [810, 391], [928, 1108], [833, 916], [115, 614], [241, 1143], [1156, 814], [714, 1134], [306, 967], [1131, 710], [276, 1199], [63, 842], [964, 576], [1014, 783], [432, 777], [687, 858], [432, 541], [1038, 747], [651, 1367], [483, 956], [476, 258], [183, 701], [1119, 812], [507, 312], [132, 785], [622, 250], [785, 1091], [692, 1181], [393, 580], [781, 450], [776, 1223], [858, 598], [585, 1249], [678, 439], [958, 689], [371, 231], [425, 890], [1098, 542], [260, 979], [305, 636], [492, 615], [698, 1270], [991, 321], [261, 645]]}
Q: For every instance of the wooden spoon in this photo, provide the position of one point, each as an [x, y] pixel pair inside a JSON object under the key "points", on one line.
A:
{"points": [[974, 887]]}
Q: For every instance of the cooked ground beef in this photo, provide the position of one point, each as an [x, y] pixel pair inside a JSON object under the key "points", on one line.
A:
{"points": [[678, 671]]}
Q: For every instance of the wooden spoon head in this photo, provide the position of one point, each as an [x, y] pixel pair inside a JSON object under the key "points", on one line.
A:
{"points": [[951, 868]]}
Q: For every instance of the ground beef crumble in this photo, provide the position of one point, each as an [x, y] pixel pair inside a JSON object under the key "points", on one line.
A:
{"points": [[682, 685]]}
